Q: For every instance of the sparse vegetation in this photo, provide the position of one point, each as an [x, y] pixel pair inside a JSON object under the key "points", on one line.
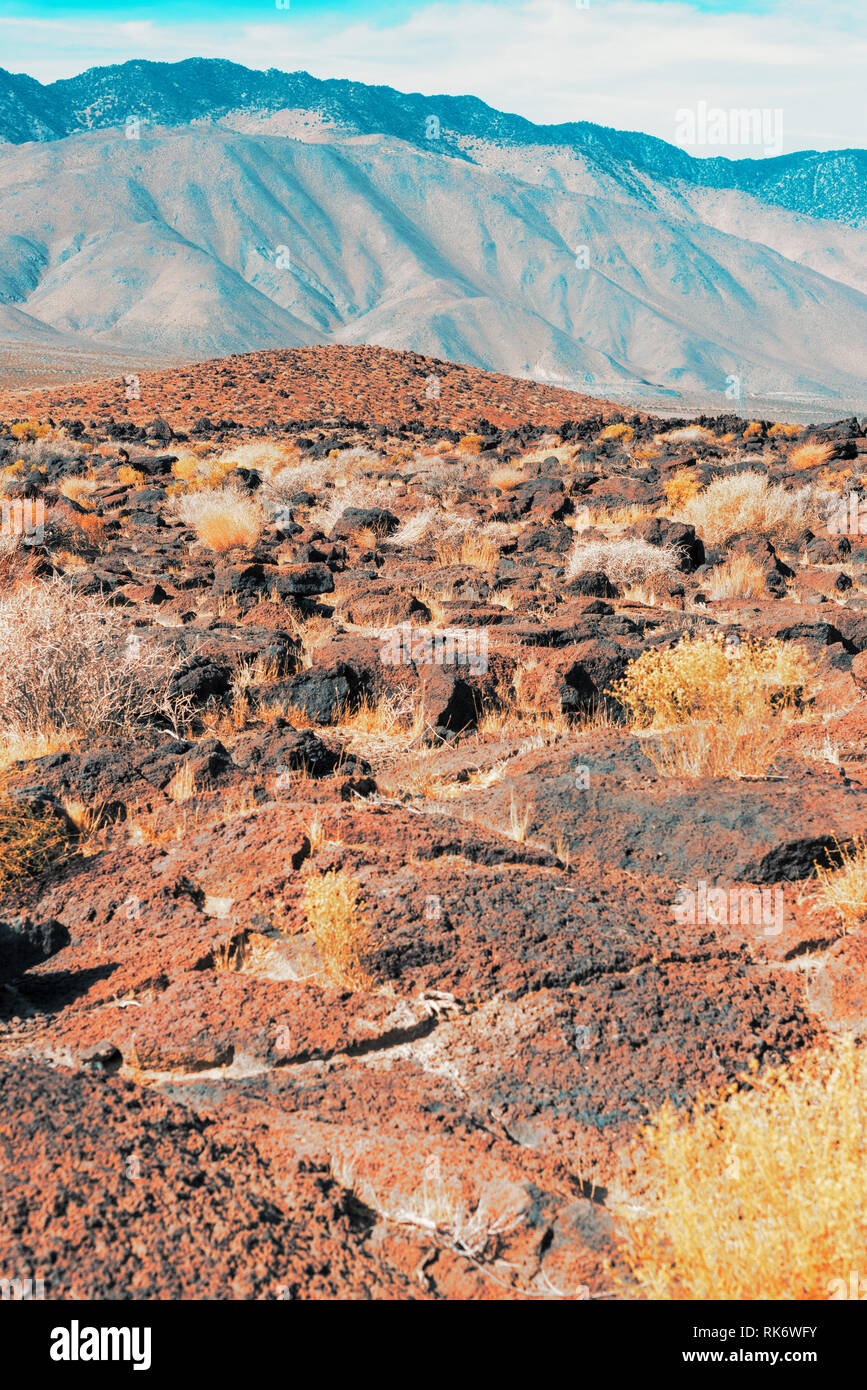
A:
{"points": [[78, 489], [688, 434], [222, 518], [760, 1193], [843, 886], [470, 444], [625, 433], [30, 840], [716, 709], [625, 561], [748, 502], [738, 577], [68, 662], [337, 917], [506, 477], [810, 455], [477, 551], [130, 477], [681, 487], [703, 675]]}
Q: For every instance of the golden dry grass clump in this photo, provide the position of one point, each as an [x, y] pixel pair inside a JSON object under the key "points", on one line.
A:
{"points": [[130, 477], [338, 920], [843, 888], [720, 707], [506, 477], [479, 552], [78, 489], [688, 434], [748, 502], [681, 487], [739, 577], [625, 433], [30, 840], [761, 1193], [810, 455], [223, 518], [30, 430]]}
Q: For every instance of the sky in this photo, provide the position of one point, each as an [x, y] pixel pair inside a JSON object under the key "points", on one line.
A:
{"points": [[632, 64]]}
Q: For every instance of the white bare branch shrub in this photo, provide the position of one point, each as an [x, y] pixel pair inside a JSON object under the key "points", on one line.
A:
{"points": [[625, 561], [69, 661]]}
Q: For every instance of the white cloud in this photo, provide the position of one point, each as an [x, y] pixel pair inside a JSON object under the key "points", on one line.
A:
{"points": [[625, 63]]}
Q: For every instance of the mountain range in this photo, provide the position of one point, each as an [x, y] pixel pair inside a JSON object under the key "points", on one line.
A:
{"points": [[200, 208]]}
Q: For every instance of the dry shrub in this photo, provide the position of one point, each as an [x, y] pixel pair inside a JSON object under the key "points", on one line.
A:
{"points": [[186, 468], [506, 478], [470, 444], [706, 677], [267, 456], [625, 561], [843, 889], [354, 494], [222, 518], [280, 487], [622, 431], [739, 577], [197, 474], [337, 917], [79, 533], [688, 434], [681, 487], [479, 552], [811, 455], [759, 1193], [51, 447], [415, 528], [384, 722], [723, 706], [68, 662], [781, 431], [91, 534], [78, 489], [17, 563], [748, 502], [30, 840], [30, 430], [131, 477]]}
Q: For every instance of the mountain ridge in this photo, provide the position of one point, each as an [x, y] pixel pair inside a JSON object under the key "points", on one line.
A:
{"points": [[824, 184]]}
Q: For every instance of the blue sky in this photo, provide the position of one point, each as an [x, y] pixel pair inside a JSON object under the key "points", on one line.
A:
{"points": [[633, 64]]}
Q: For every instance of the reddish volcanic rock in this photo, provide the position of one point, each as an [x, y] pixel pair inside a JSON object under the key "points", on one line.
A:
{"points": [[123, 1196], [394, 681], [376, 385]]}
